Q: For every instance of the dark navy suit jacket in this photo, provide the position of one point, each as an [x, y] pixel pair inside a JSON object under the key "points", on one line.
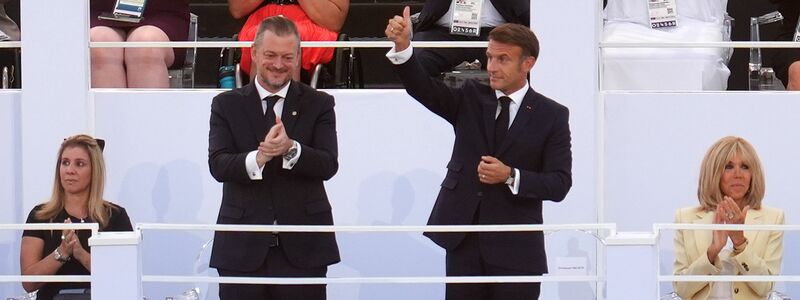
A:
{"points": [[293, 197], [538, 143]]}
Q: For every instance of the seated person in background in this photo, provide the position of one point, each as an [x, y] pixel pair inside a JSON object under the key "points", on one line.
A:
{"points": [[317, 20], [435, 22], [163, 21], [787, 60], [9, 30], [730, 191], [77, 198]]}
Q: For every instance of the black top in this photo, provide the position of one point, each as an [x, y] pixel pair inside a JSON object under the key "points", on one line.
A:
{"points": [[790, 9], [118, 221]]}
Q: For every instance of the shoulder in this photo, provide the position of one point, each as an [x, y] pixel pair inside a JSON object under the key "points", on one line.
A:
{"points": [[32, 214], [314, 96], [685, 214], [548, 103], [118, 219], [115, 208], [772, 213], [235, 93]]}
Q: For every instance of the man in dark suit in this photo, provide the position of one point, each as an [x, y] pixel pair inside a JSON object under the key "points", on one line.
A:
{"points": [[272, 144], [434, 25], [511, 152]]}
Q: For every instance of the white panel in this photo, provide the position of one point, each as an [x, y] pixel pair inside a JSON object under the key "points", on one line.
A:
{"points": [[392, 155], [656, 141], [10, 183], [566, 71]]}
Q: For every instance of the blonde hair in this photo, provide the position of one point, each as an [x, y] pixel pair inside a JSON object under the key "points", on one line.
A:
{"points": [[720, 153], [99, 210]]}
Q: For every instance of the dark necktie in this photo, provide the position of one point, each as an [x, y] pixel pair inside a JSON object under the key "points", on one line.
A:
{"points": [[270, 112], [501, 123]]}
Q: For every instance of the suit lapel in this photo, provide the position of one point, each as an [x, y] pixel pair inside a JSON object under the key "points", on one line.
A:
{"points": [[754, 217], [255, 112], [291, 107], [524, 115], [703, 238]]}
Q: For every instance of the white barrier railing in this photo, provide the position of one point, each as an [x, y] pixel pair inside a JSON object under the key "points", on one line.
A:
{"points": [[355, 228], [657, 228], [9, 44], [331, 44], [610, 228], [49, 226], [433, 44]]}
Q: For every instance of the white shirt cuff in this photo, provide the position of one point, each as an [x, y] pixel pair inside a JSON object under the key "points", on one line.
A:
{"points": [[399, 58], [289, 164], [250, 163], [515, 186]]}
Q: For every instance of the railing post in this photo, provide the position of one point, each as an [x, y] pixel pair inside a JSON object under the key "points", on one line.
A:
{"points": [[631, 267], [116, 265]]}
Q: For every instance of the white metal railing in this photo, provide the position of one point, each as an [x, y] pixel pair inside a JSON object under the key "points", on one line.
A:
{"points": [[610, 228], [366, 228], [9, 44], [245, 44], [94, 227], [657, 228], [434, 44]]}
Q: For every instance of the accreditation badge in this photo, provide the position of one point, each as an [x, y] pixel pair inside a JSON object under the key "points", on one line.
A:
{"points": [[126, 11], [797, 32], [663, 13], [466, 17]]}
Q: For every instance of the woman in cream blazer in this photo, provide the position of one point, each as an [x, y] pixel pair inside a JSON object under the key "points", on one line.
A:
{"points": [[730, 191]]}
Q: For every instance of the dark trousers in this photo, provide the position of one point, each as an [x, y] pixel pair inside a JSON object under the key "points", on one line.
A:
{"points": [[466, 260], [276, 265], [438, 60]]}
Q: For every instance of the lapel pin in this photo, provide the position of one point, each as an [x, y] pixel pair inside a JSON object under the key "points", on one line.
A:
{"points": [[528, 107], [294, 113]]}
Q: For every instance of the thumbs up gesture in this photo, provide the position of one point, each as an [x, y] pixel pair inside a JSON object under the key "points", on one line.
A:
{"points": [[398, 30]]}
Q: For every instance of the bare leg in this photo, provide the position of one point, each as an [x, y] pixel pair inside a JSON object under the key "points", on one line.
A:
{"points": [[147, 67], [108, 70], [794, 77]]}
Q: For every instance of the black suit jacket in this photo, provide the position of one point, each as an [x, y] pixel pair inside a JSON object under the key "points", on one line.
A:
{"points": [[513, 11], [537, 143], [298, 195]]}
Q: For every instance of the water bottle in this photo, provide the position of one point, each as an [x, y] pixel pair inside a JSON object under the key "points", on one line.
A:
{"points": [[190, 294], [227, 70]]}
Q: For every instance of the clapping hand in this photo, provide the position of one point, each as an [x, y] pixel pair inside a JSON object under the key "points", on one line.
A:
{"points": [[277, 142]]}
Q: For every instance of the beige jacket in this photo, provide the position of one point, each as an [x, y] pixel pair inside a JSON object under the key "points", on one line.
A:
{"points": [[762, 256]]}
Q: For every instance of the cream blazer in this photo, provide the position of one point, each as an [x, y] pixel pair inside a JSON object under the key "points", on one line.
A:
{"points": [[762, 256]]}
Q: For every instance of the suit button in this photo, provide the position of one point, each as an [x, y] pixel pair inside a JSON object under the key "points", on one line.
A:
{"points": [[480, 194], [736, 290]]}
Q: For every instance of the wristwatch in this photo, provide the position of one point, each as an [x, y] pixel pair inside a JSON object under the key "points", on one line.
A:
{"points": [[60, 257], [510, 179], [292, 152]]}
